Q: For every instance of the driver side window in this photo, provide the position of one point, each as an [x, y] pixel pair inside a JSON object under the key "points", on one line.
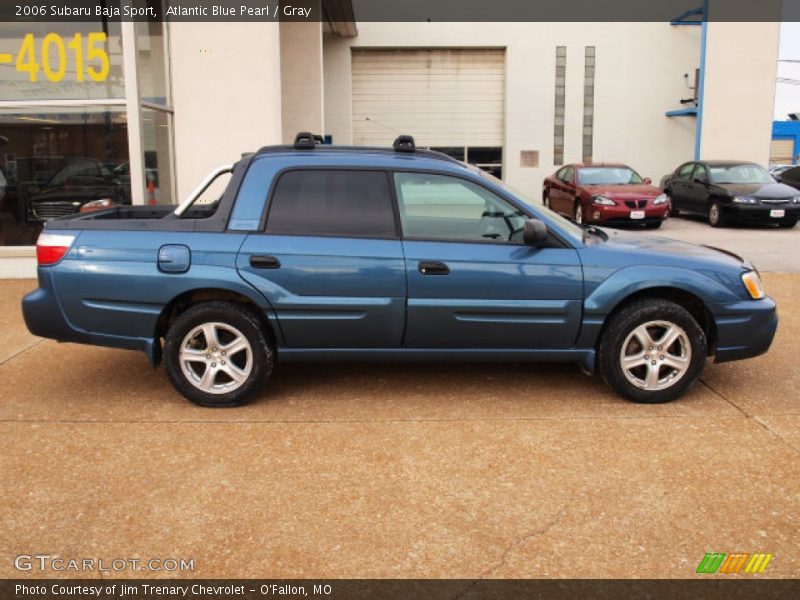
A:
{"points": [[700, 173], [439, 207]]}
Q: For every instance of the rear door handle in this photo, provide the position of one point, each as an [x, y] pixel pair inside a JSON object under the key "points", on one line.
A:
{"points": [[433, 267], [264, 262]]}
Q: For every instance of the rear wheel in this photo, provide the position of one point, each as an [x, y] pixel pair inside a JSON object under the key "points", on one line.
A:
{"points": [[545, 199], [577, 213], [715, 216], [652, 351], [216, 354]]}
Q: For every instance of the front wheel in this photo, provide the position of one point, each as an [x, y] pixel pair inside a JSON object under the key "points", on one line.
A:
{"points": [[578, 213], [715, 216], [788, 224], [655, 225], [652, 351], [217, 354]]}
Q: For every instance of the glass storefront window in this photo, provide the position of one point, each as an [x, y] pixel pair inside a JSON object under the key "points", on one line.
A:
{"points": [[61, 61], [65, 140], [157, 144], [54, 163]]}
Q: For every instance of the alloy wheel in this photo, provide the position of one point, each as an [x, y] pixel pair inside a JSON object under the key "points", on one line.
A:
{"points": [[656, 355], [216, 358]]}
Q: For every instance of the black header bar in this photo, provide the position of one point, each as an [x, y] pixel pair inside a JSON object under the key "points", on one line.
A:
{"points": [[683, 11]]}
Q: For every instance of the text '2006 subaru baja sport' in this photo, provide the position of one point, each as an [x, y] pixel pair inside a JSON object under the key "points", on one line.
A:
{"points": [[349, 253]]}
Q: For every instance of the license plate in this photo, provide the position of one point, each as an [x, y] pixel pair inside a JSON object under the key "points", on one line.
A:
{"points": [[777, 213], [637, 214]]}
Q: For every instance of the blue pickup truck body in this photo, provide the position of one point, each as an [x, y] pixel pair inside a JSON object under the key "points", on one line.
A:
{"points": [[335, 298]]}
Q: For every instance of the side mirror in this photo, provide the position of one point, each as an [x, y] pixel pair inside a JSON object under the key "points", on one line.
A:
{"points": [[647, 181], [535, 232]]}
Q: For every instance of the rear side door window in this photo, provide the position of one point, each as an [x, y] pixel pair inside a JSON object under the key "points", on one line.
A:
{"points": [[332, 202]]}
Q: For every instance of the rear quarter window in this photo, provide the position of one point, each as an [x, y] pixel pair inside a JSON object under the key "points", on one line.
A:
{"points": [[337, 202]]}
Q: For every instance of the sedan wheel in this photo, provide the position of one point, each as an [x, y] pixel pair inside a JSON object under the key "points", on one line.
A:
{"points": [[715, 217], [578, 213]]}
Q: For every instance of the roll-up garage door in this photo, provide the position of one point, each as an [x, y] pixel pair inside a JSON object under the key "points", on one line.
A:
{"points": [[451, 97], [780, 151]]}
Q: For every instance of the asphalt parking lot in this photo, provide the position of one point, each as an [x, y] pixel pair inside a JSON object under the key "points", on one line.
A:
{"points": [[418, 470]]}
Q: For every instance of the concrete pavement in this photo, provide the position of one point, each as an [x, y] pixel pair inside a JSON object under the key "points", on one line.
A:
{"points": [[495, 470]]}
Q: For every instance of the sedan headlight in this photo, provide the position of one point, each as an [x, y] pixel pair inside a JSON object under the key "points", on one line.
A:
{"points": [[796, 200], [603, 201], [97, 205], [744, 200], [752, 282], [662, 199]]}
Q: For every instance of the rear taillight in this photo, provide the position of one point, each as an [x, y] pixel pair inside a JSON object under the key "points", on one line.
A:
{"points": [[51, 247]]}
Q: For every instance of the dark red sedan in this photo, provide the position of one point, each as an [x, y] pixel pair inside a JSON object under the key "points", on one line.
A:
{"points": [[605, 194]]}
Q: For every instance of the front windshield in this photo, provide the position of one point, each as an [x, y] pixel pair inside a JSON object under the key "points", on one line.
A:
{"points": [[608, 176], [568, 227], [746, 173]]}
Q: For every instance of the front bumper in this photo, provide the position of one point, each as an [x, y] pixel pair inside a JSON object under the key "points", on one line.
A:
{"points": [[760, 213], [620, 214], [745, 329]]}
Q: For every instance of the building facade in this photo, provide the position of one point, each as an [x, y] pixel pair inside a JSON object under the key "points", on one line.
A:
{"points": [[140, 112]]}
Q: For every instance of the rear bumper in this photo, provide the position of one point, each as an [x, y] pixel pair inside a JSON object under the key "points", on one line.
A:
{"points": [[44, 317], [745, 329]]}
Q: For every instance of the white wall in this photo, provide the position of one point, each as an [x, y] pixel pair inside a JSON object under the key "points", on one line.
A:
{"points": [[301, 78], [639, 76], [226, 90], [739, 90]]}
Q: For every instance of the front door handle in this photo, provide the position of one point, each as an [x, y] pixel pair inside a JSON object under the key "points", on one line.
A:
{"points": [[433, 267], [264, 262]]}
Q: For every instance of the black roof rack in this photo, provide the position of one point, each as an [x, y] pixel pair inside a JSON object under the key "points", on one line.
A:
{"points": [[404, 143], [309, 141], [306, 141]]}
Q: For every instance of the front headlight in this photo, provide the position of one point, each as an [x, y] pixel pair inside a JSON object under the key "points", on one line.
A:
{"points": [[97, 205], [796, 200], [744, 200], [752, 282], [662, 199], [603, 201]]}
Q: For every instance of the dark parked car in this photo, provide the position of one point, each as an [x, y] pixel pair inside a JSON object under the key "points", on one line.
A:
{"points": [[605, 194], [790, 177], [78, 182], [25, 175], [728, 191], [341, 253]]}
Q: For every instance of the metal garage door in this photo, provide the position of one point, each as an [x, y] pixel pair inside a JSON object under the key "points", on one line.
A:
{"points": [[443, 98], [780, 151]]}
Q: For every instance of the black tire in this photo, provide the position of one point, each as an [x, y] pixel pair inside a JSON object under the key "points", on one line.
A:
{"points": [[787, 224], [619, 331], [716, 218], [656, 225], [223, 314], [545, 199], [577, 213]]}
